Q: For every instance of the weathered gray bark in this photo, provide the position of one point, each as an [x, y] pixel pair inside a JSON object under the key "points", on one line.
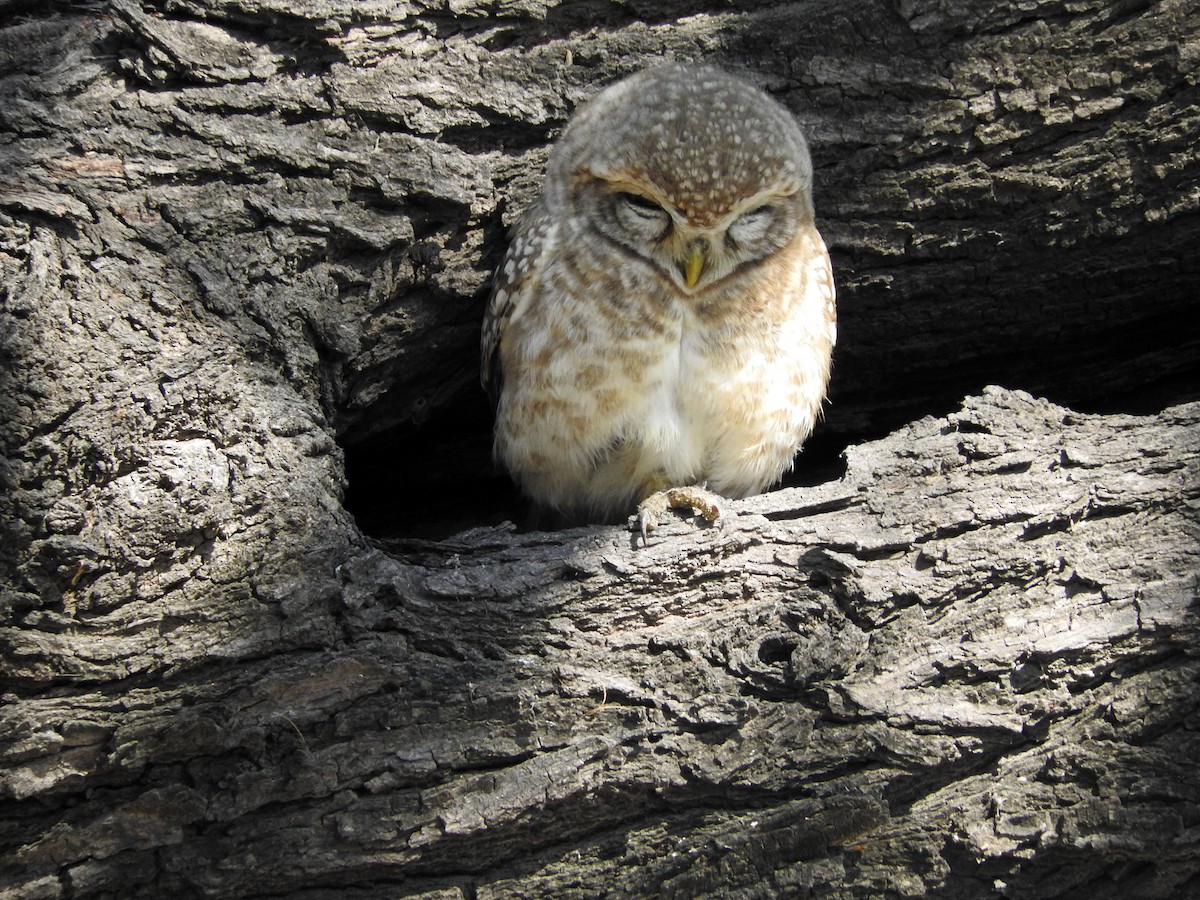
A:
{"points": [[969, 666], [236, 237]]}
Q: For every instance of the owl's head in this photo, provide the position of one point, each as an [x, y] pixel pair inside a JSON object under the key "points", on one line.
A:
{"points": [[694, 171]]}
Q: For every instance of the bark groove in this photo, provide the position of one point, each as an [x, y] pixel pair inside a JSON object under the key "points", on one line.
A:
{"points": [[243, 250]]}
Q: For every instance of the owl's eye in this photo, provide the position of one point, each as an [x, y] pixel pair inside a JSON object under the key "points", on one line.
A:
{"points": [[640, 205], [752, 226], [640, 216]]}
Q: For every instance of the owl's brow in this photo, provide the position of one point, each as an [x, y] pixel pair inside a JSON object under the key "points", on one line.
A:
{"points": [[624, 181]]}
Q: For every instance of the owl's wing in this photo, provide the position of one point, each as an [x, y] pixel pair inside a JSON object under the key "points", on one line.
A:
{"points": [[513, 289]]}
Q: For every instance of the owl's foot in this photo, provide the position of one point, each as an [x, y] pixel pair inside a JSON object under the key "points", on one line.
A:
{"points": [[694, 497]]}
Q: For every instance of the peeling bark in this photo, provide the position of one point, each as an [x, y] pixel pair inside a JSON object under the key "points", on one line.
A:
{"points": [[241, 241]]}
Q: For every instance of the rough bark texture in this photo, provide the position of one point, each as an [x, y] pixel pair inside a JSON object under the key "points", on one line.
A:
{"points": [[243, 241], [967, 667]]}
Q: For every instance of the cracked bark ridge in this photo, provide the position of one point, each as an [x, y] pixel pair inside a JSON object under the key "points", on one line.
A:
{"points": [[967, 668], [234, 233]]}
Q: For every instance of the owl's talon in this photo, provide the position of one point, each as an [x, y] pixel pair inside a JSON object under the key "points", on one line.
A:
{"points": [[649, 512], [645, 525], [693, 497]]}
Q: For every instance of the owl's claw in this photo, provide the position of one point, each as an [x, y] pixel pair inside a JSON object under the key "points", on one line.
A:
{"points": [[647, 517], [693, 497]]}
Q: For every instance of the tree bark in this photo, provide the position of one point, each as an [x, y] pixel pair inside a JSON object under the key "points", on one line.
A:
{"points": [[243, 242]]}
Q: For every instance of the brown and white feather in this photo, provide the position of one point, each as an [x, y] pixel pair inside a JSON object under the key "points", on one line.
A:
{"points": [[615, 374]]}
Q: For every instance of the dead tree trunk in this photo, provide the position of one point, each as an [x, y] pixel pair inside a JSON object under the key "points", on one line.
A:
{"points": [[243, 241]]}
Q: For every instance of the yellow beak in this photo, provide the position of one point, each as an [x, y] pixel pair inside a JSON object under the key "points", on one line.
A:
{"points": [[693, 262]]}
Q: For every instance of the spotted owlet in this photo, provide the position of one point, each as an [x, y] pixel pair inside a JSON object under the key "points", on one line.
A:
{"points": [[664, 317]]}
